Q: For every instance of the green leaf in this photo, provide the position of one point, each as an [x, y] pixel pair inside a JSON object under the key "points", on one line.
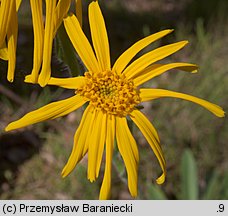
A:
{"points": [[225, 187], [189, 180], [155, 193], [213, 188]]}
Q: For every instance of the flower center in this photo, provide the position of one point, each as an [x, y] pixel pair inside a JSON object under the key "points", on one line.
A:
{"points": [[110, 93]]}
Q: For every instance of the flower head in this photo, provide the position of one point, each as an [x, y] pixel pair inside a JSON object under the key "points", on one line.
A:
{"points": [[112, 94]]}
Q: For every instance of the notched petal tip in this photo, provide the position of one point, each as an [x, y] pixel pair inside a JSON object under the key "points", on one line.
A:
{"points": [[161, 179], [182, 43], [185, 41], [43, 80], [64, 173], [134, 193], [195, 68], [30, 79], [91, 180], [9, 127], [221, 113], [10, 79], [217, 110], [194, 71], [170, 30], [69, 16]]}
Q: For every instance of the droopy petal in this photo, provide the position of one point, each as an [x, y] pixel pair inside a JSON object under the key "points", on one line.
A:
{"points": [[127, 56], [106, 184], [129, 152], [158, 69], [99, 36], [4, 52], [151, 136], [45, 73], [6, 10], [12, 43], [80, 137], [151, 57], [68, 83], [38, 32], [81, 43], [60, 12], [78, 6], [96, 145], [50, 111], [151, 94]]}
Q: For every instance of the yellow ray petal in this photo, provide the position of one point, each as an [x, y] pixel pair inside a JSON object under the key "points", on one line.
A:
{"points": [[30, 79], [81, 43], [6, 10], [129, 152], [92, 125], [18, 4], [151, 136], [68, 83], [101, 143], [50, 111], [4, 52], [60, 12], [158, 69], [151, 94], [106, 184], [38, 32], [12, 43], [79, 141], [96, 145], [134, 148], [45, 73], [127, 56], [151, 57], [99, 36], [78, 5]]}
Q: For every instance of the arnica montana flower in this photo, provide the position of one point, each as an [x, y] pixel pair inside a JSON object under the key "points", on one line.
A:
{"points": [[44, 34], [8, 34], [112, 94]]}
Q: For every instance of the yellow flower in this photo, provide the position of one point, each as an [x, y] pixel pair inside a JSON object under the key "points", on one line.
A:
{"points": [[9, 30], [44, 35], [112, 94]]}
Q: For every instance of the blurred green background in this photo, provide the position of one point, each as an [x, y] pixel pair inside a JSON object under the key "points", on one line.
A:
{"points": [[195, 142]]}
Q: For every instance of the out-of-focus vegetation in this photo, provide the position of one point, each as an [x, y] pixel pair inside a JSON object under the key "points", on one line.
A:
{"points": [[216, 187], [31, 159]]}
